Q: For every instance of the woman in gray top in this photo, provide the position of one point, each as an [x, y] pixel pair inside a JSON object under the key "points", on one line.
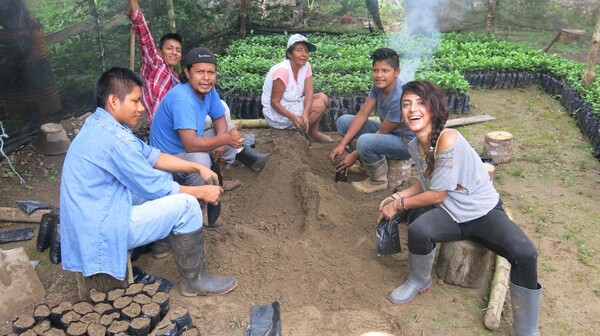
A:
{"points": [[457, 201]]}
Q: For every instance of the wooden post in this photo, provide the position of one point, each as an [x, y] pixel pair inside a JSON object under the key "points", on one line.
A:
{"points": [[132, 51], [491, 14], [497, 293], [554, 39], [590, 74], [171, 17]]}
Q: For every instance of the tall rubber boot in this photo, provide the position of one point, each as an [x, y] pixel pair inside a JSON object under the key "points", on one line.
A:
{"points": [[188, 250], [526, 307], [419, 279], [161, 248], [252, 159], [377, 180]]}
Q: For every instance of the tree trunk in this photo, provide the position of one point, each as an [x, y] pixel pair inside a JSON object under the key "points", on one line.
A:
{"points": [[463, 263], [491, 14], [373, 7], [244, 5], [94, 13], [171, 17], [589, 74]]}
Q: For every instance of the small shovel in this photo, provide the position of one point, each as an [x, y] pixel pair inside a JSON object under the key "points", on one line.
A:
{"points": [[302, 132]]}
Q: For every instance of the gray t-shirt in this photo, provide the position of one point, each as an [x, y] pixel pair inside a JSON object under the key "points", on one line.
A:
{"points": [[458, 165], [389, 108]]}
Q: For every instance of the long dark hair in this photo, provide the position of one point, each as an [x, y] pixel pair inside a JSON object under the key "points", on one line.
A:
{"points": [[436, 102]]}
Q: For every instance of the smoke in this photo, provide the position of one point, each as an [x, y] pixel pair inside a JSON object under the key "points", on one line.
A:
{"points": [[419, 38]]}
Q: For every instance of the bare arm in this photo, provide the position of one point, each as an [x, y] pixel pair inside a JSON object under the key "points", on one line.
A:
{"points": [[387, 127], [133, 5], [359, 121], [172, 163], [276, 95], [192, 143]]}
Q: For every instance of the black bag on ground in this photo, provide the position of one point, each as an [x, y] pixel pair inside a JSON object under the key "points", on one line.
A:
{"points": [[29, 206], [388, 236], [16, 235], [55, 256], [139, 276], [265, 321], [45, 230]]}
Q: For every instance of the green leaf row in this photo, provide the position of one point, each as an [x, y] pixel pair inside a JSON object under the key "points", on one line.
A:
{"points": [[341, 64]]}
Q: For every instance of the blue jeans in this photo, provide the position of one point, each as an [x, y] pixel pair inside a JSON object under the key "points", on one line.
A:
{"points": [[156, 219], [372, 147]]}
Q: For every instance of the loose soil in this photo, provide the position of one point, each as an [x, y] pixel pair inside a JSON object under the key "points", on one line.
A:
{"points": [[295, 236]]}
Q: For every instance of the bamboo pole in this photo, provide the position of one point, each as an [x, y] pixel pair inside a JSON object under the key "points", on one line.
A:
{"points": [[498, 290], [590, 74], [131, 50], [262, 123]]}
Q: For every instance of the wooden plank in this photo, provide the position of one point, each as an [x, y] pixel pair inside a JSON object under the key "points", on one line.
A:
{"points": [[469, 120], [8, 214], [84, 26]]}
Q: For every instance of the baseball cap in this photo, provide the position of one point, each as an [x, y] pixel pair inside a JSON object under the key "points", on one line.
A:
{"points": [[199, 55], [297, 38]]}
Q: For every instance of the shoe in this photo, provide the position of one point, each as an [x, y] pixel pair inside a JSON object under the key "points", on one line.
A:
{"points": [[161, 248], [419, 278], [230, 185], [377, 180], [252, 159], [526, 308], [188, 250]]}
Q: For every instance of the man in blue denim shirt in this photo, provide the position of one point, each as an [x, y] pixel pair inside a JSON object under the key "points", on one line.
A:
{"points": [[117, 193]]}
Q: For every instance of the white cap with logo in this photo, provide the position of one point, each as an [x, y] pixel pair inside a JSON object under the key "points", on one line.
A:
{"points": [[297, 38]]}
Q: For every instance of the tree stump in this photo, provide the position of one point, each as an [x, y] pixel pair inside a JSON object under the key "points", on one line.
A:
{"points": [[398, 171], [498, 146], [102, 282], [463, 263]]}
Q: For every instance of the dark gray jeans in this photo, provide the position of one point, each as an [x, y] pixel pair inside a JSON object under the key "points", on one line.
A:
{"points": [[495, 231]]}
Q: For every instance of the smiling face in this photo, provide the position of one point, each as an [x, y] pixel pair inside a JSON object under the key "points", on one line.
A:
{"points": [[171, 52], [129, 110], [384, 75], [416, 114], [202, 77], [298, 54]]}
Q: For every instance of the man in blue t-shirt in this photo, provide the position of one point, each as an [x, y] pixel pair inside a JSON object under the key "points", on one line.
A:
{"points": [[178, 124], [376, 142]]}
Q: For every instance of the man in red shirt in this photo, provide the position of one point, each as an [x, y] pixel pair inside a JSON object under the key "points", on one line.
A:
{"points": [[157, 64]]}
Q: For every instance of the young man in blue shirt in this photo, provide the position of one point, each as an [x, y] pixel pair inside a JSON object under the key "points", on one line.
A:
{"points": [[117, 193]]}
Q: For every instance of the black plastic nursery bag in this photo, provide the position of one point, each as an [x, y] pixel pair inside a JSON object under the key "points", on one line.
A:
{"points": [[388, 237], [265, 321]]}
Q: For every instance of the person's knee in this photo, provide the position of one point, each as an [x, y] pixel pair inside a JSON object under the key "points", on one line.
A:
{"points": [[525, 253], [343, 122]]}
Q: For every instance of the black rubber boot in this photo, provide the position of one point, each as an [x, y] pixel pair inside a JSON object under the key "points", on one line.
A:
{"points": [[188, 250], [252, 159]]}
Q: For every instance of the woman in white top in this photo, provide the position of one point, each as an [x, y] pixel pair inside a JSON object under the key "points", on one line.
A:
{"points": [[288, 99]]}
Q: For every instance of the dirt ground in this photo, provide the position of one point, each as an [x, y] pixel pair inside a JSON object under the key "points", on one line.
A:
{"points": [[295, 236]]}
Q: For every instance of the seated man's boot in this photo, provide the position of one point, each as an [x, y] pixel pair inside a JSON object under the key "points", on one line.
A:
{"points": [[252, 159], [188, 250], [377, 180], [162, 248]]}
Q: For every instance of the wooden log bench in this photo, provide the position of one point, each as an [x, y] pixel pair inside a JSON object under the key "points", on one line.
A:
{"points": [[102, 282]]}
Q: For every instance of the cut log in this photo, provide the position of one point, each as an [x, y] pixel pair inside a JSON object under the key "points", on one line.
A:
{"points": [[498, 291], [498, 146], [8, 214], [463, 263]]}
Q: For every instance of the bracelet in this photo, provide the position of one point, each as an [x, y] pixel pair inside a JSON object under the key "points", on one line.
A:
{"points": [[399, 203]]}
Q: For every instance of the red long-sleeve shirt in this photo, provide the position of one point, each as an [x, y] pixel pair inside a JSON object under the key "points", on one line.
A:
{"points": [[159, 76]]}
